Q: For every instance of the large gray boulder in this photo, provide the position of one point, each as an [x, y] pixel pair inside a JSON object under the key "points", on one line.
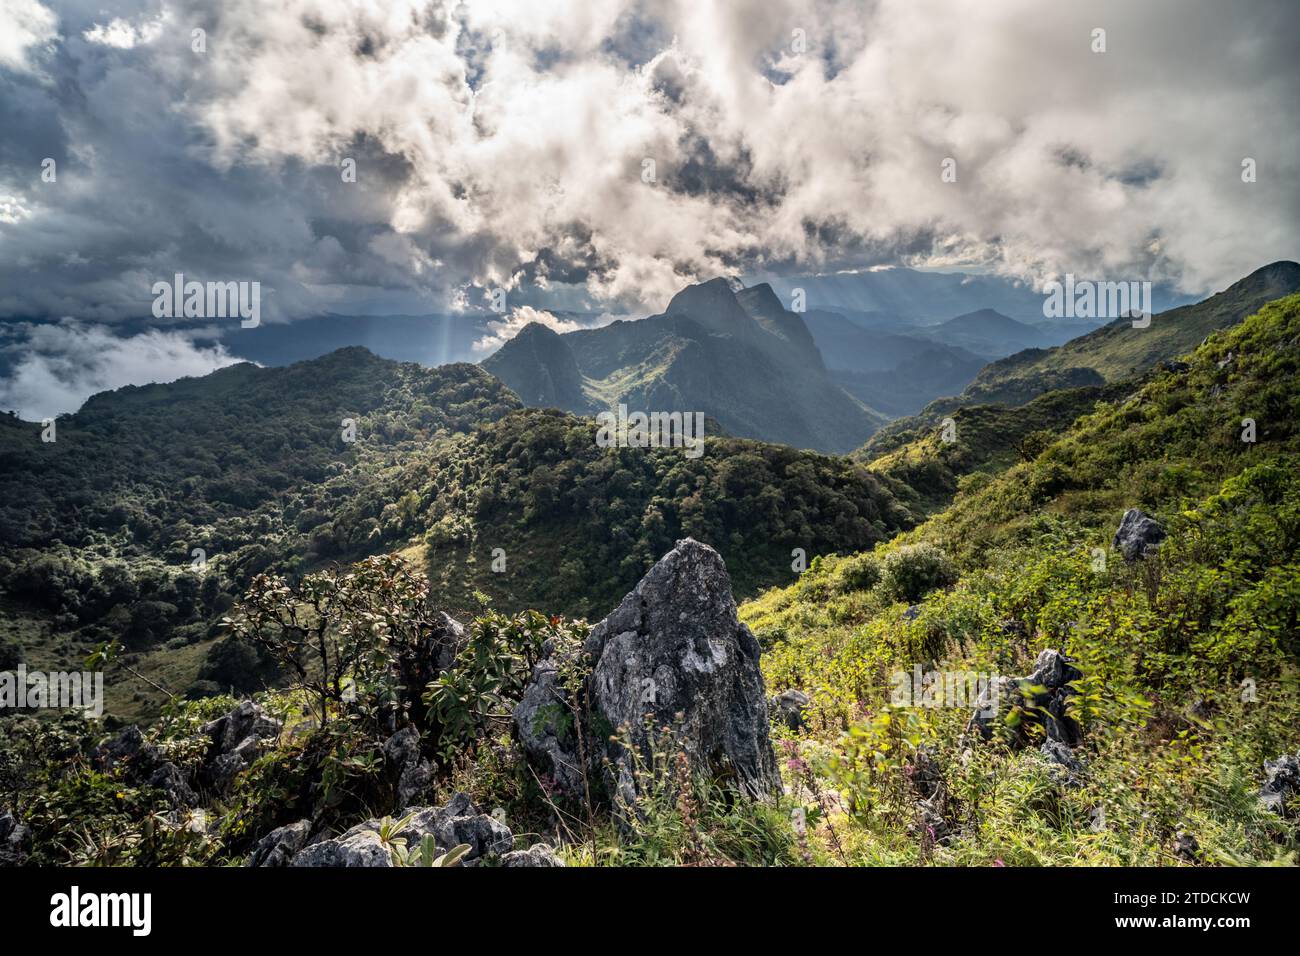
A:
{"points": [[672, 654], [1138, 535], [450, 826]]}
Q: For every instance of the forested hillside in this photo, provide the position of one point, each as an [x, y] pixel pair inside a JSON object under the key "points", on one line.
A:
{"points": [[154, 508]]}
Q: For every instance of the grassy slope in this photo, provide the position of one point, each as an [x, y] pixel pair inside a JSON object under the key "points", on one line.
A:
{"points": [[1164, 646], [1054, 387], [1118, 351], [925, 471]]}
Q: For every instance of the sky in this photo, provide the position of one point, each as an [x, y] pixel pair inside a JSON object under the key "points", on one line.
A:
{"points": [[597, 156]]}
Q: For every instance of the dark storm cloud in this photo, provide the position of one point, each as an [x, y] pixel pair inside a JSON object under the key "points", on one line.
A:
{"points": [[505, 143]]}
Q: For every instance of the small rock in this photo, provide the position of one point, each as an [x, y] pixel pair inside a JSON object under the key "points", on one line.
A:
{"points": [[460, 822], [931, 823], [1138, 535], [435, 653], [237, 739], [456, 823], [537, 855], [1186, 847], [279, 847], [15, 839], [405, 762], [1061, 755], [924, 772], [1281, 784], [128, 751], [360, 846], [169, 779], [246, 720], [789, 706], [1063, 761], [1045, 706]]}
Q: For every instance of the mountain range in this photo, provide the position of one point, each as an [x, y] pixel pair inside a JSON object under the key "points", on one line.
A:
{"points": [[735, 354], [158, 527]]}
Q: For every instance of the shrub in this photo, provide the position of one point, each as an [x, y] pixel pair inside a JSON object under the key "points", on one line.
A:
{"points": [[860, 572], [913, 571]]}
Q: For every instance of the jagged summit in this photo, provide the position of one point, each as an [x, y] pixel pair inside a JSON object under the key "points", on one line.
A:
{"points": [[741, 358]]}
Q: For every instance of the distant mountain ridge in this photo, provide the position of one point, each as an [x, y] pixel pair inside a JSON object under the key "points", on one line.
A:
{"points": [[987, 331], [738, 356], [1119, 350]]}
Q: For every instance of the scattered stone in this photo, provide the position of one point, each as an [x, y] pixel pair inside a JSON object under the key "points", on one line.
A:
{"points": [[1138, 535], [1281, 784], [1062, 760], [237, 739], [1042, 696], [672, 654], [141, 763], [1061, 755], [128, 751], [359, 846], [930, 822], [436, 653], [1226, 360], [545, 722], [789, 707], [407, 766], [246, 720], [169, 779], [15, 839], [456, 823], [279, 847], [460, 822], [1186, 847], [537, 855], [924, 773]]}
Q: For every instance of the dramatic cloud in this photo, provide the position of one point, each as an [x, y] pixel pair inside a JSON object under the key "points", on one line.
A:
{"points": [[503, 330], [25, 27], [59, 366], [606, 153]]}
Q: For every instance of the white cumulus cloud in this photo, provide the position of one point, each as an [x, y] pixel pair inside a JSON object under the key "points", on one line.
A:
{"points": [[61, 365], [501, 331]]}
